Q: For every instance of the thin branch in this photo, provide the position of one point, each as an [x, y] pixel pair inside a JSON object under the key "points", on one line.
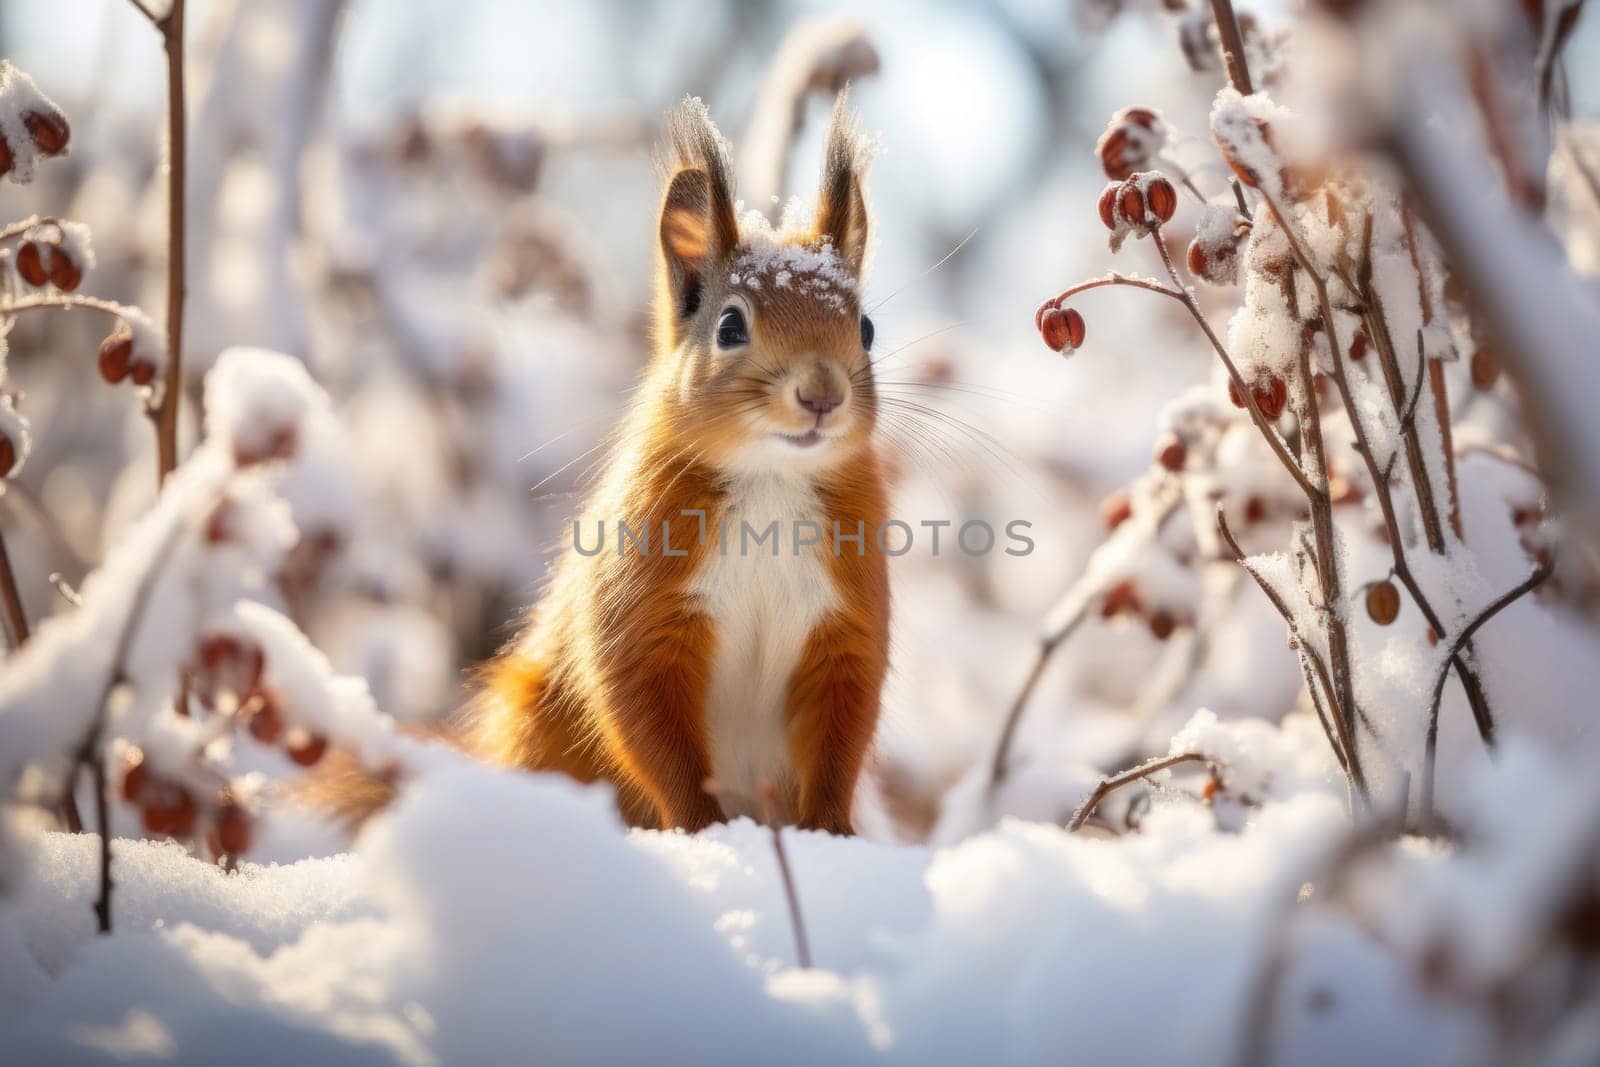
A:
{"points": [[1338, 737], [89, 753], [802, 945], [1232, 45], [144, 9], [1111, 784], [1521, 589], [16, 618], [1116, 279], [64, 301], [172, 31]]}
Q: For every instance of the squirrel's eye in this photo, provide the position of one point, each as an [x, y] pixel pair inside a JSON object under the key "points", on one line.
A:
{"points": [[731, 329], [866, 333]]}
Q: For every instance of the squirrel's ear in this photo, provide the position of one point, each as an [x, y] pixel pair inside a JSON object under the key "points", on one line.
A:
{"points": [[842, 206], [688, 240], [698, 226]]}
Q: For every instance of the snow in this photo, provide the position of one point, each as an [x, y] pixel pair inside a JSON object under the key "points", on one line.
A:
{"points": [[1021, 944]]}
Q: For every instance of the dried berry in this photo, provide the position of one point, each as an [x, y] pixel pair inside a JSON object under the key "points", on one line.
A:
{"points": [[116, 353], [1358, 346], [167, 809], [1122, 597], [1161, 624], [225, 664], [1130, 202], [1131, 141], [49, 131], [64, 273], [1485, 368], [1271, 395], [279, 444], [307, 749], [1255, 509], [264, 720], [8, 456], [1116, 509], [134, 775], [1171, 452], [1383, 602], [1062, 328], [1108, 205], [5, 156], [32, 263], [143, 372], [1161, 197], [232, 833], [1235, 397]]}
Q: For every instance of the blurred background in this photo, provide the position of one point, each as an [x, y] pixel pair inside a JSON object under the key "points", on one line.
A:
{"points": [[447, 209]]}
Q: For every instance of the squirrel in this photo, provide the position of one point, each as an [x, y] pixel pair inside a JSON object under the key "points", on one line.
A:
{"points": [[705, 666]]}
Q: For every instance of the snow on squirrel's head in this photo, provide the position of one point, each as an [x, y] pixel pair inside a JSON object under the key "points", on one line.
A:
{"points": [[763, 358]]}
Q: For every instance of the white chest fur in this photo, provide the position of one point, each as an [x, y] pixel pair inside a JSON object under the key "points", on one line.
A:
{"points": [[763, 607]]}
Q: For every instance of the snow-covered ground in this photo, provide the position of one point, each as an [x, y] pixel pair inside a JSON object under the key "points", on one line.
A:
{"points": [[496, 916]]}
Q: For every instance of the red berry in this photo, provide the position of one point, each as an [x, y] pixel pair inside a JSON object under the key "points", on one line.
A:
{"points": [[5, 156], [1108, 205], [116, 353], [143, 372], [1358, 346], [232, 835], [1120, 598], [1235, 397], [1171, 452], [1162, 624], [48, 130], [1271, 395], [133, 774], [1162, 198], [264, 721], [1038, 314], [1113, 150], [1199, 266], [183, 813], [1485, 368], [1062, 328], [64, 273], [1116, 509], [307, 749], [1140, 116], [1383, 602], [1255, 509], [1130, 202], [8, 456], [31, 263]]}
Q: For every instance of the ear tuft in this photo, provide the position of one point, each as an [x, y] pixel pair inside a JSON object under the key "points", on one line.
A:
{"points": [[842, 204], [698, 227]]}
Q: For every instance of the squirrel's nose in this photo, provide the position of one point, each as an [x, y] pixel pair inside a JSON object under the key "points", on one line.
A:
{"points": [[819, 400]]}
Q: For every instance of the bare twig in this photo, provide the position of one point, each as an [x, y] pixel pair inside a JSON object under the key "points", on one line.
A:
{"points": [[1339, 737], [145, 10], [89, 753], [1527, 585], [171, 27], [1111, 784], [802, 945], [16, 618], [1232, 45]]}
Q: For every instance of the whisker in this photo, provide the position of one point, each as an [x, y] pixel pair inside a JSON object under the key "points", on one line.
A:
{"points": [[947, 257]]}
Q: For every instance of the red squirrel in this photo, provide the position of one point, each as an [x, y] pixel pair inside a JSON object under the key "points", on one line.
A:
{"points": [[702, 653]]}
